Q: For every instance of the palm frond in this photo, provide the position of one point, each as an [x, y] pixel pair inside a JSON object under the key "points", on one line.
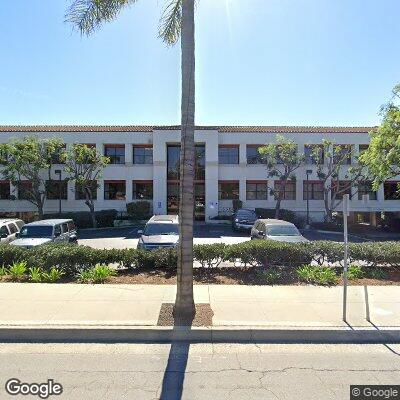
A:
{"points": [[170, 22], [87, 15]]}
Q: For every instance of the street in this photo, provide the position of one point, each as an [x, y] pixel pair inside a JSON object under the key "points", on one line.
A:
{"points": [[120, 238], [200, 371]]}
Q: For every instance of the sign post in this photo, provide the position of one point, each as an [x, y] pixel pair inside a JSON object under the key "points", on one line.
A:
{"points": [[346, 249]]}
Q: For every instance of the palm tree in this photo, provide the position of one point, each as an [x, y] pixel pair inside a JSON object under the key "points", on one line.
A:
{"points": [[177, 21]]}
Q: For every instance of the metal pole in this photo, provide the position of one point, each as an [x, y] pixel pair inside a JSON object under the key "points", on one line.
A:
{"points": [[367, 315], [345, 211]]}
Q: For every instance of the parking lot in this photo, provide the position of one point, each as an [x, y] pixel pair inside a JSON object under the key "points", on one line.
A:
{"points": [[121, 238]]}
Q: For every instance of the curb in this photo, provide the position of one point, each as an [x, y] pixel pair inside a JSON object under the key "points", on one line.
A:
{"points": [[154, 334]]}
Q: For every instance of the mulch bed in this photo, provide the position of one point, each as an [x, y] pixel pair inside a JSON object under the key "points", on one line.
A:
{"points": [[203, 316]]}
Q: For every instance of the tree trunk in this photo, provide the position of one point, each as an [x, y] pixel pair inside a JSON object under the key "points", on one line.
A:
{"points": [[40, 211], [184, 303], [278, 207], [89, 203]]}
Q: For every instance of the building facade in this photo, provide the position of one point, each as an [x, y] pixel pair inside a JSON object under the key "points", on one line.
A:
{"points": [[145, 166]]}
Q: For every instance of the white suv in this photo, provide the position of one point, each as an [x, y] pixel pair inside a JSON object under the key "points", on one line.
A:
{"points": [[9, 228], [161, 231]]}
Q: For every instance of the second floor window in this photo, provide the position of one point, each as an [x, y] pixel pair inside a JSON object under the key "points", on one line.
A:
{"points": [[344, 188], [228, 154], [315, 190], [143, 190], [114, 190], [56, 190], [253, 156], [142, 155], [4, 190], [228, 190], [115, 152], [391, 190], [342, 154], [289, 189], [314, 154]]}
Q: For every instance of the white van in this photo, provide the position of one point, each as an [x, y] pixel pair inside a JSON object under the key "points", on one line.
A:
{"points": [[9, 228]]}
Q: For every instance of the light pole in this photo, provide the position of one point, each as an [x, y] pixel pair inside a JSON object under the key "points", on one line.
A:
{"points": [[58, 172], [308, 172]]}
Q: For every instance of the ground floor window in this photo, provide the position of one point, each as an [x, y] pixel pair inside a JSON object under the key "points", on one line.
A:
{"points": [[256, 190], [4, 190], [314, 190], [365, 188], [56, 190], [114, 190], [391, 190], [288, 189], [80, 192], [340, 188], [142, 190], [228, 190]]}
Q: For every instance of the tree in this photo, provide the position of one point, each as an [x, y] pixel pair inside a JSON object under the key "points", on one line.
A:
{"points": [[30, 160], [337, 179], [84, 165], [177, 21], [383, 154], [282, 160]]}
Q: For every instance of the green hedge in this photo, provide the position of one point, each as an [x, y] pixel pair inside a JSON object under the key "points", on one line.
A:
{"points": [[72, 258]]}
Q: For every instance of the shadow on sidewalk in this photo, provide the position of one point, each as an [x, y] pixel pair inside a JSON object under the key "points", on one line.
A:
{"points": [[174, 375]]}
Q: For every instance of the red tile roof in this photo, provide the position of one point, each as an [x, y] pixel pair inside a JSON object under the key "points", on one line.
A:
{"points": [[149, 128]]}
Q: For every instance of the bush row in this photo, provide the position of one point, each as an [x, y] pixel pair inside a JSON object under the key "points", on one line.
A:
{"points": [[72, 258]]}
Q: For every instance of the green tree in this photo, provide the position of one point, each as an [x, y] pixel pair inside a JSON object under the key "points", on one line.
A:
{"points": [[30, 159], [282, 160], [85, 165], [383, 154], [177, 21], [336, 173]]}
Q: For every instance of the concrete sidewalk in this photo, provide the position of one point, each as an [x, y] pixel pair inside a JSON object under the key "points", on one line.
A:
{"points": [[235, 307]]}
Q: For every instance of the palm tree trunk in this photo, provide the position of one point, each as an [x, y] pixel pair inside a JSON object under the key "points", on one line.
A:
{"points": [[184, 303]]}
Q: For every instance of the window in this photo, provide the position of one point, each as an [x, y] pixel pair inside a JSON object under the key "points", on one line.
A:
{"points": [[64, 227], [391, 189], [24, 190], [4, 190], [289, 192], [173, 161], [114, 190], [143, 190], [256, 190], [4, 231], [362, 148], [200, 162], [253, 156], [56, 189], [228, 154], [56, 156], [115, 152], [142, 155], [80, 192], [344, 188], [71, 226], [315, 190], [342, 154], [365, 188], [12, 228], [228, 190], [314, 154], [57, 230]]}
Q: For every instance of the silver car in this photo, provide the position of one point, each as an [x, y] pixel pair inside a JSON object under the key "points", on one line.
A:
{"points": [[278, 230], [9, 229], [46, 231], [161, 231]]}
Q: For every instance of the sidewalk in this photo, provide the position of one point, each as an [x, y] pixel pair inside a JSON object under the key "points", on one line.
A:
{"points": [[235, 307]]}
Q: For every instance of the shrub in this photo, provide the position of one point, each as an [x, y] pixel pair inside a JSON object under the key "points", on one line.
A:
{"points": [[327, 253], [237, 204], [355, 272], [3, 271], [84, 276], [375, 273], [317, 275], [100, 273], [11, 254], [270, 276], [35, 274], [17, 270], [139, 210], [54, 275], [209, 255]]}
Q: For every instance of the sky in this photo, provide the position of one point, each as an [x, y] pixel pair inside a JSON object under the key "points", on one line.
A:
{"points": [[258, 62]]}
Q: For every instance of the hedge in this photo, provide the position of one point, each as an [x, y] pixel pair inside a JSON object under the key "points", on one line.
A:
{"points": [[72, 258]]}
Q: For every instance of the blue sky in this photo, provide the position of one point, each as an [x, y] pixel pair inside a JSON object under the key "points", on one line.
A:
{"points": [[267, 62]]}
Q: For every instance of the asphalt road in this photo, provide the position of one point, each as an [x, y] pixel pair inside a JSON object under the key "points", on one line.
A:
{"points": [[203, 234], [200, 371]]}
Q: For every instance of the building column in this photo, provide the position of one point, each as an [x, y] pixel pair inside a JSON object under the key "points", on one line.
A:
{"points": [[129, 190], [211, 183], [159, 174]]}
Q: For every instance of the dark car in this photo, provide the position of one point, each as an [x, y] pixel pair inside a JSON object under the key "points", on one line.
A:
{"points": [[243, 219]]}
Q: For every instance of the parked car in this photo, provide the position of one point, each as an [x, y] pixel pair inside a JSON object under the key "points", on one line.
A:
{"points": [[243, 219], [46, 231], [161, 231], [276, 229], [9, 229]]}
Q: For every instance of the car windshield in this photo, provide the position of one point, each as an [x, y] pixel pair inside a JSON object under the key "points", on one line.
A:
{"points": [[283, 230], [161, 229], [36, 231], [246, 214]]}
